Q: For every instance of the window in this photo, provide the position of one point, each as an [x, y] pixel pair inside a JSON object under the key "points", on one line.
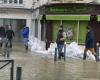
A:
{"points": [[20, 1], [5, 1], [10, 1], [15, 1]]}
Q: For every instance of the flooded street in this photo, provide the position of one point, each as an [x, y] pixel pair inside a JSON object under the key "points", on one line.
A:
{"points": [[42, 67]]}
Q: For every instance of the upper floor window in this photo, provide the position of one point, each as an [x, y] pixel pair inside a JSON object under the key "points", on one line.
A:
{"points": [[15, 1], [20, 1], [5, 1], [10, 1]]}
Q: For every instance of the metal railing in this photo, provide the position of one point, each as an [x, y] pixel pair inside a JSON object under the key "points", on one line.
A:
{"points": [[12, 67]]}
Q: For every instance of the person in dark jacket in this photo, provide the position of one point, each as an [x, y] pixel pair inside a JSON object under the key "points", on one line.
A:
{"points": [[25, 36], [9, 35], [60, 41], [2, 35], [89, 43]]}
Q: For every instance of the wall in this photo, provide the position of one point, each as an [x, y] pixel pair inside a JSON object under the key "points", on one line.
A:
{"points": [[28, 4], [40, 3]]}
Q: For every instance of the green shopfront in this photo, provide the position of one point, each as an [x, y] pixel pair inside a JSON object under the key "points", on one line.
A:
{"points": [[74, 26], [73, 17]]}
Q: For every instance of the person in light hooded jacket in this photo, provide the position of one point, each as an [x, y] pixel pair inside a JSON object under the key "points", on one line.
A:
{"points": [[25, 36]]}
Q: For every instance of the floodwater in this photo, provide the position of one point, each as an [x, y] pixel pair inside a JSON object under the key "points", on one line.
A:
{"points": [[42, 67]]}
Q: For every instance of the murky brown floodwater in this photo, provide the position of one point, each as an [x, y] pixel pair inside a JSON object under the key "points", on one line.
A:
{"points": [[42, 67]]}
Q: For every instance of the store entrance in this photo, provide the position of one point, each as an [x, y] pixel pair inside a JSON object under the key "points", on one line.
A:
{"points": [[16, 25]]}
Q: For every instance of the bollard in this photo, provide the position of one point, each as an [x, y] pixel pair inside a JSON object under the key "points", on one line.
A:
{"points": [[55, 55], [64, 52], [12, 71], [19, 73], [97, 52], [7, 53]]}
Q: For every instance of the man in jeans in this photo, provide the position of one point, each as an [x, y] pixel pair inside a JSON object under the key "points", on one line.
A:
{"points": [[60, 41]]}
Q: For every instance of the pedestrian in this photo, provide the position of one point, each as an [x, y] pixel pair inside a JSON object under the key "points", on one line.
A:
{"points": [[2, 35], [61, 36], [89, 42], [9, 35], [25, 36]]}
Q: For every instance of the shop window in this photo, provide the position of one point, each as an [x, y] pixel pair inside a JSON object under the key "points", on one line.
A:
{"points": [[20, 1], [82, 32]]}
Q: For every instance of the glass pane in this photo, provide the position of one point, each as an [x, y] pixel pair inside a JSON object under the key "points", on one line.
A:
{"points": [[15, 1], [1, 22], [82, 31], [10, 1], [5, 1], [20, 1], [70, 27]]}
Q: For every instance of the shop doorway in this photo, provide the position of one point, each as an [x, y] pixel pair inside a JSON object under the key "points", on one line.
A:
{"points": [[16, 24], [49, 34]]}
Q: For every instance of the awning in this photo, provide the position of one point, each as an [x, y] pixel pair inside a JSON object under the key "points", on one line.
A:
{"points": [[68, 17]]}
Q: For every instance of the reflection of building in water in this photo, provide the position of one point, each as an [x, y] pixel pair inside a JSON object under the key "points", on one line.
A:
{"points": [[15, 13]]}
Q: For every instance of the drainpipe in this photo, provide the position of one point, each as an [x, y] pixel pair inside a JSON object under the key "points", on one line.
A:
{"points": [[78, 24], [43, 22]]}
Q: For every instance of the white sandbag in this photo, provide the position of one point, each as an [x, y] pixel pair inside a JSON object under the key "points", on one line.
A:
{"points": [[72, 50], [90, 56]]}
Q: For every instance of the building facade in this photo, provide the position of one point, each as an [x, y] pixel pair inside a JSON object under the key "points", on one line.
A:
{"points": [[73, 16], [15, 13]]}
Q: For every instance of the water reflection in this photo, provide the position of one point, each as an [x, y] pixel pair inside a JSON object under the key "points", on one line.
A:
{"points": [[69, 70]]}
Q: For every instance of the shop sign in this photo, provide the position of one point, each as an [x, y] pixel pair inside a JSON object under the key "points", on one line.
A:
{"points": [[69, 10]]}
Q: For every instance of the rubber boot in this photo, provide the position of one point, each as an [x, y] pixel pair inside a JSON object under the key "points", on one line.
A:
{"points": [[84, 56], [62, 54], [96, 57], [10, 45], [59, 56], [0, 44], [26, 48]]}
